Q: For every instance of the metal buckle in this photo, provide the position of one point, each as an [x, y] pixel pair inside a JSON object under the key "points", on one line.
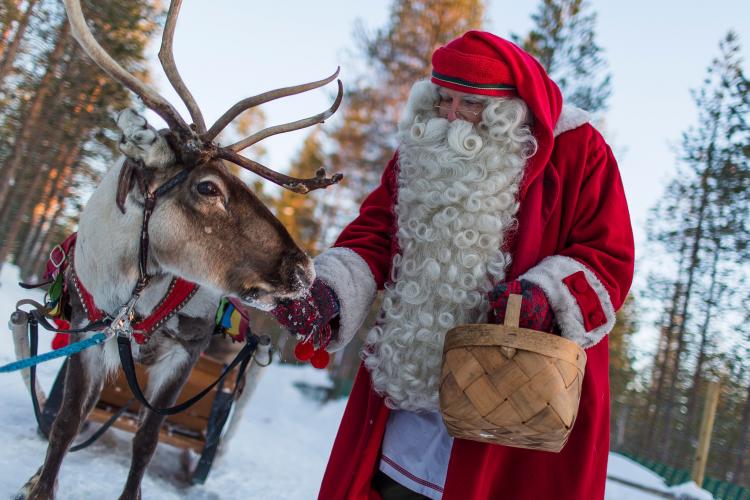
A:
{"points": [[121, 325], [52, 256]]}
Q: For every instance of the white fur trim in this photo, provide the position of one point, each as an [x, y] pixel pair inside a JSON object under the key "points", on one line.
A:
{"points": [[571, 117], [548, 274], [350, 277]]}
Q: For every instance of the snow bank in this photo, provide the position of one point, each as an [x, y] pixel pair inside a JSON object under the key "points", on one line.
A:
{"points": [[690, 491]]}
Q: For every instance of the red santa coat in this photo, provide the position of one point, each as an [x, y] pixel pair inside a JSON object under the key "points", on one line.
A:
{"points": [[573, 224]]}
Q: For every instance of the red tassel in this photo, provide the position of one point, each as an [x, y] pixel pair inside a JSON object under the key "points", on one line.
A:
{"points": [[320, 359], [304, 351]]}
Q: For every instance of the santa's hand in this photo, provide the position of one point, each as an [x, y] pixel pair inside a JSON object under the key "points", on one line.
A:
{"points": [[309, 319], [536, 313]]}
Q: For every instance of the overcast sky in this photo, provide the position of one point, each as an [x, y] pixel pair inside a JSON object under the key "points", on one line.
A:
{"points": [[657, 51]]}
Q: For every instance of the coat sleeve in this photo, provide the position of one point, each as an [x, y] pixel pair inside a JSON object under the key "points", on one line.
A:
{"points": [[358, 264], [589, 278]]}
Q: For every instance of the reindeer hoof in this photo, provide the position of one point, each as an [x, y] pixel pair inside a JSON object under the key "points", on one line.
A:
{"points": [[25, 491], [30, 490], [129, 495]]}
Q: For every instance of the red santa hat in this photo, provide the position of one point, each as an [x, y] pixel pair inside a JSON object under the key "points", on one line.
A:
{"points": [[482, 63]]}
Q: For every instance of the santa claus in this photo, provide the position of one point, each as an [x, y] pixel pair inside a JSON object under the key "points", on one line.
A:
{"points": [[496, 188]]}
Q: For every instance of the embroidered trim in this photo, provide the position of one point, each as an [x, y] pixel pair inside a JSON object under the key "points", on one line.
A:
{"points": [[177, 288], [178, 294], [87, 301], [409, 475]]}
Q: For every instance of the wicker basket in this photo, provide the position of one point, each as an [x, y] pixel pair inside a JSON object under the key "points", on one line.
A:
{"points": [[507, 385]]}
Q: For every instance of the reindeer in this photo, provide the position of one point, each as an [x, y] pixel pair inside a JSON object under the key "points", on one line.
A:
{"points": [[171, 209]]}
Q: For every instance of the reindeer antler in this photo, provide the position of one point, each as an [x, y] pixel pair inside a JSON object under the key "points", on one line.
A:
{"points": [[263, 98], [301, 186], [166, 57], [150, 97], [194, 143], [288, 127]]}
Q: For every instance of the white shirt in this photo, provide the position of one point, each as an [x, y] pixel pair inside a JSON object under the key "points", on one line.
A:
{"points": [[416, 451]]}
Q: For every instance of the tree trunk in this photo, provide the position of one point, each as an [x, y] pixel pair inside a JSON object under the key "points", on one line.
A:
{"points": [[702, 355], [85, 98], [40, 251], [16, 225], [43, 185], [8, 29], [60, 194], [744, 442], [9, 54], [664, 358], [25, 132], [691, 271]]}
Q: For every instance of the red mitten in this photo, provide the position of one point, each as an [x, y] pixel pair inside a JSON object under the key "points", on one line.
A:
{"points": [[309, 320], [536, 312]]}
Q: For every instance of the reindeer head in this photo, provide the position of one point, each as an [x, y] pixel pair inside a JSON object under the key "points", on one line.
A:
{"points": [[203, 223]]}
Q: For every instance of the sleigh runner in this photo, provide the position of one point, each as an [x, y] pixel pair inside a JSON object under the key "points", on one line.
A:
{"points": [[199, 430]]}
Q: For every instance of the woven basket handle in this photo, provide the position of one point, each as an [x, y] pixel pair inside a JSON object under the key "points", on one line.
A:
{"points": [[513, 310]]}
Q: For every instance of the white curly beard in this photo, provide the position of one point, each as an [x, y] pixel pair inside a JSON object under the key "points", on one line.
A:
{"points": [[457, 198]]}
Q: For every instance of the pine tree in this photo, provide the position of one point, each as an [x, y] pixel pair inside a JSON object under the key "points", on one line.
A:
{"points": [[564, 41], [393, 57], [622, 373], [298, 212], [701, 224], [58, 115], [10, 51]]}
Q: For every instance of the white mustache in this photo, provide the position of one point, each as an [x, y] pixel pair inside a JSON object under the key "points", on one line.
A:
{"points": [[461, 136]]}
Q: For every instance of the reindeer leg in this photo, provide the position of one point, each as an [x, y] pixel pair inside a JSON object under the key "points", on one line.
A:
{"points": [[166, 378], [83, 383]]}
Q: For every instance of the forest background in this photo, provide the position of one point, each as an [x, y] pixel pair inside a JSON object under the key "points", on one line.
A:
{"points": [[666, 83]]}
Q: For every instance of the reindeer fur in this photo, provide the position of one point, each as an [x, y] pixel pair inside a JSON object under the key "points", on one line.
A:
{"points": [[228, 246]]}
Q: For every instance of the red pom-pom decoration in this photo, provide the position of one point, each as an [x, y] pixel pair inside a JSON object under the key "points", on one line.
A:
{"points": [[304, 351], [320, 359]]}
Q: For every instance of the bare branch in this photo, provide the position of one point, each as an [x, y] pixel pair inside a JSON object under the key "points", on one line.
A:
{"points": [[150, 97], [301, 186], [288, 127], [259, 99], [166, 56]]}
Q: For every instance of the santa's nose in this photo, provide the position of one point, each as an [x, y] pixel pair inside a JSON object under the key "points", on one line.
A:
{"points": [[452, 111]]}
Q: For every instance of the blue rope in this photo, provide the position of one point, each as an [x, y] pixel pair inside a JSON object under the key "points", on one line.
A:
{"points": [[68, 350]]}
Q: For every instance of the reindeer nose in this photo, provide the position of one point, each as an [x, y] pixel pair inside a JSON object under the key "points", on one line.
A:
{"points": [[304, 274]]}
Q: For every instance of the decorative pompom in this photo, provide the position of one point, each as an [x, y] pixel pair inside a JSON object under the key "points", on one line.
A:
{"points": [[320, 359], [304, 351]]}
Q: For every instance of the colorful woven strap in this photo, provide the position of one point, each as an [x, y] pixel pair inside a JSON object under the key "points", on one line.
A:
{"points": [[231, 321]]}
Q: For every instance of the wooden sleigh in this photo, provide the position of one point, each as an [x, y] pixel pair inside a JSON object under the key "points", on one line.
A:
{"points": [[199, 430]]}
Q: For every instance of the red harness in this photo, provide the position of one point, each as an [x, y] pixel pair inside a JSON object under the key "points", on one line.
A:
{"points": [[179, 293]]}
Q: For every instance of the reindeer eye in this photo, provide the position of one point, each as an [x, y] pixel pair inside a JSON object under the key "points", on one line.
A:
{"points": [[207, 188]]}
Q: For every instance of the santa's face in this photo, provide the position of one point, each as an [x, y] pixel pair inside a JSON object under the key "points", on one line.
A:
{"points": [[454, 105]]}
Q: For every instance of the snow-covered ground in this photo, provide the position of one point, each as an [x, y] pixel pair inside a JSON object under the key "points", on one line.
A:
{"points": [[278, 452]]}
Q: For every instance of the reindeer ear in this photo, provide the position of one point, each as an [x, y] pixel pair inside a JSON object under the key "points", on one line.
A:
{"points": [[141, 142], [125, 183]]}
